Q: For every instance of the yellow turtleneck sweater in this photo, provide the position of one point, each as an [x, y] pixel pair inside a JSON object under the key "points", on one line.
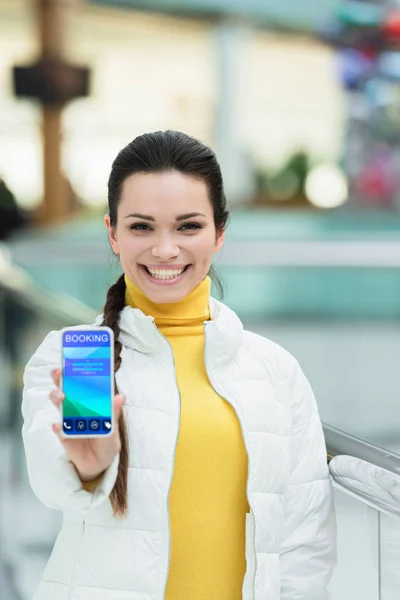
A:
{"points": [[208, 502]]}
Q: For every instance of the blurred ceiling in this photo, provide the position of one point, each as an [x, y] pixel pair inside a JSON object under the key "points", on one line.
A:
{"points": [[303, 15]]}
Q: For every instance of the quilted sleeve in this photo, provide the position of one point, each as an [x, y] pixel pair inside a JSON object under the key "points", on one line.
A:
{"points": [[52, 476], [308, 549]]}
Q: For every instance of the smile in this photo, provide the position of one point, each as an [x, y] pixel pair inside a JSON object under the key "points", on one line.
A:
{"points": [[164, 275]]}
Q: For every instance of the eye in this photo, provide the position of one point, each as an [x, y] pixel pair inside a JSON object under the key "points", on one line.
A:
{"points": [[139, 227], [190, 227]]}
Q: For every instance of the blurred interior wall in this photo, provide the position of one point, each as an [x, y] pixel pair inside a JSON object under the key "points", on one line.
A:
{"points": [[156, 72]]}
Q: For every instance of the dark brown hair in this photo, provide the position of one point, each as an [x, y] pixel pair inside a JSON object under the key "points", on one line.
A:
{"points": [[155, 153], [114, 304]]}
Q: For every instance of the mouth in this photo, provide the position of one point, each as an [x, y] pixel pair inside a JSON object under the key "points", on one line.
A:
{"points": [[165, 276]]}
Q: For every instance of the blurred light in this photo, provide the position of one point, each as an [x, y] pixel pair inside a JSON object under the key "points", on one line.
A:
{"points": [[93, 187], [21, 169], [392, 27], [326, 186], [380, 93], [361, 14], [88, 165], [353, 66], [389, 66]]}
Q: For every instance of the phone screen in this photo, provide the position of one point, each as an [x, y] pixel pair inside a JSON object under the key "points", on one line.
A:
{"points": [[87, 381]]}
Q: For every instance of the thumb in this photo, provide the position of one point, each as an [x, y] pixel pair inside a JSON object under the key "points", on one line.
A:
{"points": [[118, 403]]}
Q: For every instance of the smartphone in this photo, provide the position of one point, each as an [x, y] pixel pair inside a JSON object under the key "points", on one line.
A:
{"points": [[88, 382]]}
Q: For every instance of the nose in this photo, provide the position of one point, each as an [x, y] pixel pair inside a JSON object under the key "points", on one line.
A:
{"points": [[165, 248]]}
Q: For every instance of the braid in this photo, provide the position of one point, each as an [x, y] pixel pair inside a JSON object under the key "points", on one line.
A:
{"points": [[114, 304]]}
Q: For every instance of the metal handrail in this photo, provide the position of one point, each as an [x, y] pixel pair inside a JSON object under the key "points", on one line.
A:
{"points": [[371, 482], [340, 443], [60, 308]]}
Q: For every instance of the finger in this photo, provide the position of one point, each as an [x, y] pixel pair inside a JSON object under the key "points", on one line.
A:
{"points": [[56, 376], [57, 397], [56, 427], [118, 403]]}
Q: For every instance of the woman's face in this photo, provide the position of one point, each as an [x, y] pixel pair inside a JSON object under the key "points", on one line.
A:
{"points": [[165, 234]]}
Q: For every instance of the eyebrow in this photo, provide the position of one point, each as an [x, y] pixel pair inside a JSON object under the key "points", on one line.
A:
{"points": [[179, 218]]}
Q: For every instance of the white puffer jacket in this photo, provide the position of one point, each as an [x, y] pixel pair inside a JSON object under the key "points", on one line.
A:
{"points": [[290, 534]]}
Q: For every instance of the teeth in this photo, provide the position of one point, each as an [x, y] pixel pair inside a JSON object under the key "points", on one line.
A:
{"points": [[165, 273]]}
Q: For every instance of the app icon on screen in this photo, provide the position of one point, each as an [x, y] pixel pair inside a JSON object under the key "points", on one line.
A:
{"points": [[106, 425]]}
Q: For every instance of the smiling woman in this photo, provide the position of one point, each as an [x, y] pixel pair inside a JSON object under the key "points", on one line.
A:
{"points": [[215, 483], [165, 233]]}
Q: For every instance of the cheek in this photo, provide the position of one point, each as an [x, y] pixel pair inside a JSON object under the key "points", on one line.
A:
{"points": [[130, 246], [203, 247]]}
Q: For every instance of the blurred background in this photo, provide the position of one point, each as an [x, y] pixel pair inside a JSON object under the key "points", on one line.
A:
{"points": [[301, 102]]}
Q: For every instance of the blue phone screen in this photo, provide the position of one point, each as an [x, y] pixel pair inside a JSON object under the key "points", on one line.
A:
{"points": [[87, 383]]}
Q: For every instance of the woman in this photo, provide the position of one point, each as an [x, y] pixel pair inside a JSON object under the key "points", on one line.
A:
{"points": [[216, 485]]}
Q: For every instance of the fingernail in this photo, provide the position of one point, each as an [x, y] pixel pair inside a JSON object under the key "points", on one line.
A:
{"points": [[58, 394]]}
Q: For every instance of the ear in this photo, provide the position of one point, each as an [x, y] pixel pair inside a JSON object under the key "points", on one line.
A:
{"points": [[111, 234], [219, 241]]}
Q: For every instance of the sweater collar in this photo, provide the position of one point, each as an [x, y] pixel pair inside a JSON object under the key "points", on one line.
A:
{"points": [[175, 318]]}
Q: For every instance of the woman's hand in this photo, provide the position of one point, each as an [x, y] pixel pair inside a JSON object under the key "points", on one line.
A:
{"points": [[91, 457]]}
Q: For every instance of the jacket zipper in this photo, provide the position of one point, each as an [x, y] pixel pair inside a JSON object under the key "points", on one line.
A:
{"points": [[248, 457], [173, 464]]}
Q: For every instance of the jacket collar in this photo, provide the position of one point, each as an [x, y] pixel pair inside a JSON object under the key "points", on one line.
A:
{"points": [[223, 332]]}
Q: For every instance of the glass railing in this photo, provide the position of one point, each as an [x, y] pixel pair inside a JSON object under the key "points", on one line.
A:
{"points": [[27, 528], [335, 305], [368, 550], [367, 500], [349, 405]]}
